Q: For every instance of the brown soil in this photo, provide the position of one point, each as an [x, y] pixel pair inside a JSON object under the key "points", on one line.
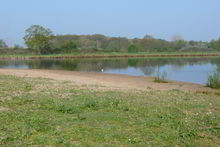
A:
{"points": [[109, 81], [4, 109]]}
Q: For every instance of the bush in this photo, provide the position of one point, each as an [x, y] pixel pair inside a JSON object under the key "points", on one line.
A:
{"points": [[69, 47], [132, 49], [214, 80], [161, 77], [3, 45]]}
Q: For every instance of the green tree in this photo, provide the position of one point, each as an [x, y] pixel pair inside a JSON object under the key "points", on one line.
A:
{"points": [[192, 43], [69, 47], [215, 44], [178, 44], [132, 49], [3, 44], [16, 46], [38, 38]]}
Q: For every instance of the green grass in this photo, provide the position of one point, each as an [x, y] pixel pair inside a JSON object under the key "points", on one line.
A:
{"points": [[44, 112]]}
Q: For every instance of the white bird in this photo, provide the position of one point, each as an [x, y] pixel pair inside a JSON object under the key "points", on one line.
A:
{"points": [[102, 70]]}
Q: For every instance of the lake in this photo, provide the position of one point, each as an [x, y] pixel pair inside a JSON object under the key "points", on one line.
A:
{"points": [[194, 70]]}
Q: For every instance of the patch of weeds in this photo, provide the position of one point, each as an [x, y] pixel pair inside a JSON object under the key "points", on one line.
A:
{"points": [[203, 92], [187, 132], [38, 123], [211, 123], [214, 80], [120, 105], [160, 77], [134, 140], [28, 87], [91, 105], [6, 139], [115, 103], [66, 109], [126, 109], [21, 100]]}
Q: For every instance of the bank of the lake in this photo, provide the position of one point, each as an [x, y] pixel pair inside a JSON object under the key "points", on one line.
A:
{"points": [[47, 112], [185, 69], [108, 81], [110, 55]]}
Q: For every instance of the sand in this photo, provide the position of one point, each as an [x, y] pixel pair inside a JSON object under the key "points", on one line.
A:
{"points": [[109, 81]]}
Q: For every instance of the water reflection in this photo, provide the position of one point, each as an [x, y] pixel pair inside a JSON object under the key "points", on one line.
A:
{"points": [[194, 70]]}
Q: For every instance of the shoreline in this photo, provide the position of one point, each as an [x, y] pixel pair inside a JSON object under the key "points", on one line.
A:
{"points": [[32, 57], [106, 81]]}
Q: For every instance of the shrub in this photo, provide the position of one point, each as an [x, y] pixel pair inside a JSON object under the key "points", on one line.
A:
{"points": [[161, 77], [132, 49], [69, 47], [214, 80]]}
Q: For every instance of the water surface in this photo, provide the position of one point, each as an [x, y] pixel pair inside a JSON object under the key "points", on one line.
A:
{"points": [[194, 70]]}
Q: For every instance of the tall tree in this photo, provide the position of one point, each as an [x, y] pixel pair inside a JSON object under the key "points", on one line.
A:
{"points": [[215, 44], [37, 37], [178, 42], [3, 44], [69, 47]]}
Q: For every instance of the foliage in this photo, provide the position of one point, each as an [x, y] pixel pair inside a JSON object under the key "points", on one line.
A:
{"points": [[3, 45], [117, 44], [151, 44], [132, 49], [214, 80], [41, 40], [16, 46], [69, 47], [179, 44], [38, 38], [215, 44]]}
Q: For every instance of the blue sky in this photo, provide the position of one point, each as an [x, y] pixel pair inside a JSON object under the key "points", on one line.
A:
{"points": [[192, 19]]}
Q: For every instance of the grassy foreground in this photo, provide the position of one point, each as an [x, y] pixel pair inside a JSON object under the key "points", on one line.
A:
{"points": [[44, 112]]}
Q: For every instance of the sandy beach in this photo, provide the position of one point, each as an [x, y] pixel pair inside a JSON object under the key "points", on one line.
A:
{"points": [[106, 81]]}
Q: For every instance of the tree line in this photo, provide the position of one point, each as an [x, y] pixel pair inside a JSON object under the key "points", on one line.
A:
{"points": [[40, 40]]}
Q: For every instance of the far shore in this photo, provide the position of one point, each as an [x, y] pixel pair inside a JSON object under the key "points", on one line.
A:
{"points": [[110, 55]]}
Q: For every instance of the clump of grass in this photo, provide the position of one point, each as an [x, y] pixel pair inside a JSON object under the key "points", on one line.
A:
{"points": [[28, 87], [160, 77], [91, 104], [214, 80], [66, 109]]}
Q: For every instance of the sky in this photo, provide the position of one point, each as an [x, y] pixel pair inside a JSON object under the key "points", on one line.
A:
{"points": [[191, 19]]}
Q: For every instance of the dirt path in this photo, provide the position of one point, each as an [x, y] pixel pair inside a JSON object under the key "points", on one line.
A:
{"points": [[110, 81]]}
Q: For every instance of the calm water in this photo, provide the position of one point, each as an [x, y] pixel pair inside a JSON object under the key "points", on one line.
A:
{"points": [[195, 70]]}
